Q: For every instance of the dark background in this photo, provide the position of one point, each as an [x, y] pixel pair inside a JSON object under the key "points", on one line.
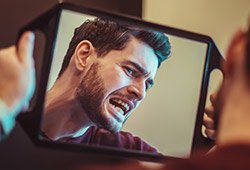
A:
{"points": [[17, 151], [16, 13]]}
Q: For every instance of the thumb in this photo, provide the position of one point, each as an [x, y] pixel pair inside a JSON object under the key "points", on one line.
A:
{"points": [[25, 48]]}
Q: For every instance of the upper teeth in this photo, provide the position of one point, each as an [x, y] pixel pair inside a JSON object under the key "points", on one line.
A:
{"points": [[125, 106]]}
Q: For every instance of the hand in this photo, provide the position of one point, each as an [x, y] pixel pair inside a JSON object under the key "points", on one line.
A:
{"points": [[17, 73], [234, 94], [208, 119]]}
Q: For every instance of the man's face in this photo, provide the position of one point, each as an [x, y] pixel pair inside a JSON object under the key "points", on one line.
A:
{"points": [[116, 84]]}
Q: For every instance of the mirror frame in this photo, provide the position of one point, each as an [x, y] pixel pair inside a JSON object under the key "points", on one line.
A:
{"points": [[48, 24]]}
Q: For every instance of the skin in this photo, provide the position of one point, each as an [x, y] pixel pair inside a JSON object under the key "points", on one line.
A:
{"points": [[123, 75], [234, 124], [234, 117], [17, 75], [233, 98], [232, 87], [208, 119]]}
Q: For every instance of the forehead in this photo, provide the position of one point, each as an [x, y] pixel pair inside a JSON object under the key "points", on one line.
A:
{"points": [[141, 54]]}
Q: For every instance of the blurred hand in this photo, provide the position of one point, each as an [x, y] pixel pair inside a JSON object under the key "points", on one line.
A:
{"points": [[208, 119], [235, 84], [234, 94], [17, 73]]}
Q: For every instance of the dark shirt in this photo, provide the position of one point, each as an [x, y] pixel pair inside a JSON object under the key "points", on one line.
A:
{"points": [[123, 140]]}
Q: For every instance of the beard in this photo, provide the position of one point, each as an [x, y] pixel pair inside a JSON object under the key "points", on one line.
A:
{"points": [[91, 93]]}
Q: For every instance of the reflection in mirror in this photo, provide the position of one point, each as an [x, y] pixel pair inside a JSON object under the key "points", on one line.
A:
{"points": [[98, 80]]}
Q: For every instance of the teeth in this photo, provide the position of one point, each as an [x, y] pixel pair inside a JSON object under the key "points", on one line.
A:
{"points": [[122, 105], [118, 108], [125, 105]]}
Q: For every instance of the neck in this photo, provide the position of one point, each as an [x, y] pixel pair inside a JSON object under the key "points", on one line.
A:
{"points": [[235, 117], [63, 116]]}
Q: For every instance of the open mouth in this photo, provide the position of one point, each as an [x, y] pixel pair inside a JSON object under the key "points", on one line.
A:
{"points": [[120, 105]]}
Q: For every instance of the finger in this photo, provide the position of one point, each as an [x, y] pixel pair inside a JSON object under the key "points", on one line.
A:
{"points": [[208, 122], [213, 98], [25, 48], [210, 133], [209, 111]]}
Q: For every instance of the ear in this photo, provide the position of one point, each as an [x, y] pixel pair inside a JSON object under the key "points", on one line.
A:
{"points": [[83, 52]]}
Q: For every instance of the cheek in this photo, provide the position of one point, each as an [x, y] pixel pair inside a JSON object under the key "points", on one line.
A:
{"points": [[115, 79]]}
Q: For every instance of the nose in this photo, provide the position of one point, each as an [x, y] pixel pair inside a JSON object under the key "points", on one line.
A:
{"points": [[138, 91]]}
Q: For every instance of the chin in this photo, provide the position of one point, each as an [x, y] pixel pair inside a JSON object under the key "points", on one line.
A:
{"points": [[113, 128], [110, 123]]}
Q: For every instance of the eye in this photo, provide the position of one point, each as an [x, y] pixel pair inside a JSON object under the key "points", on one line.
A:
{"points": [[131, 72], [149, 84], [147, 87]]}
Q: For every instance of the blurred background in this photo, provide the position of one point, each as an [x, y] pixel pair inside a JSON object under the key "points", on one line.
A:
{"points": [[218, 19], [14, 13]]}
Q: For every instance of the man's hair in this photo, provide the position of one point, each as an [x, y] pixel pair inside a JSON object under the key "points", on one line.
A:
{"points": [[106, 35]]}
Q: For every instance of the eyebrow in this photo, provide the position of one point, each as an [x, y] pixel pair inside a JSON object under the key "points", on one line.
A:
{"points": [[141, 70]]}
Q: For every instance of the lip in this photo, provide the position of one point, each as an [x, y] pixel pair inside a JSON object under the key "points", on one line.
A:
{"points": [[118, 116], [128, 102]]}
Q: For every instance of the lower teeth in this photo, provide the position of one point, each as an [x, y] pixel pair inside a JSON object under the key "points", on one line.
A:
{"points": [[117, 108]]}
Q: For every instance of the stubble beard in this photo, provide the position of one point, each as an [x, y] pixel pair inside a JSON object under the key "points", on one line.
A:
{"points": [[90, 93]]}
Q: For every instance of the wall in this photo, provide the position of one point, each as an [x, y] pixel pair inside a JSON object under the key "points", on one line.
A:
{"points": [[218, 19], [14, 13]]}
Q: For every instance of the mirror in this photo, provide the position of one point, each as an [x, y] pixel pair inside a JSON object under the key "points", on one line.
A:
{"points": [[166, 117], [113, 93]]}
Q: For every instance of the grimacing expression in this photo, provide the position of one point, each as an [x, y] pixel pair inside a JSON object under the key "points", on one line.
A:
{"points": [[116, 84]]}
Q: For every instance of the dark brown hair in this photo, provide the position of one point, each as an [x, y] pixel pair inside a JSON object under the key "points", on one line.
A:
{"points": [[106, 35]]}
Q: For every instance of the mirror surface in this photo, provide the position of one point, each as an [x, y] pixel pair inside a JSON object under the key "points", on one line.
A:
{"points": [[165, 119]]}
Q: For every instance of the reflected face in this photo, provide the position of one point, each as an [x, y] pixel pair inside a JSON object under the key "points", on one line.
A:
{"points": [[116, 84]]}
